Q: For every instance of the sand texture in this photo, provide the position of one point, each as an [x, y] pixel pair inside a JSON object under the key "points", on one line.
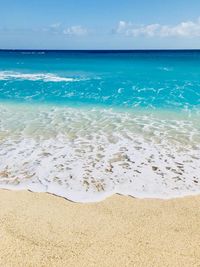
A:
{"points": [[39, 229]]}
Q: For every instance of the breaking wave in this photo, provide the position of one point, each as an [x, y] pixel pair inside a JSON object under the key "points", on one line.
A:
{"points": [[46, 77]]}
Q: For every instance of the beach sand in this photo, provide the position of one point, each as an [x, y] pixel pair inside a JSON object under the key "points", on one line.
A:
{"points": [[39, 229]]}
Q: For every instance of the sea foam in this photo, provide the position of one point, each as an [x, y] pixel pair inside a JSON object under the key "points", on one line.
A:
{"points": [[86, 155], [46, 77]]}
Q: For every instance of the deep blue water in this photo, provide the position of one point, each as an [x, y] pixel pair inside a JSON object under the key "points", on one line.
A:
{"points": [[154, 79]]}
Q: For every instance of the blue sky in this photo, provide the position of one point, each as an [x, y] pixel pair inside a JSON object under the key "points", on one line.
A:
{"points": [[99, 24]]}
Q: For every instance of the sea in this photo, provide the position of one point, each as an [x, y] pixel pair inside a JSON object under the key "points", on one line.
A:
{"points": [[85, 125]]}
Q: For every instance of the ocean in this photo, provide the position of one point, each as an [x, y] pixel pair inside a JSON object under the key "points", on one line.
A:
{"points": [[88, 124]]}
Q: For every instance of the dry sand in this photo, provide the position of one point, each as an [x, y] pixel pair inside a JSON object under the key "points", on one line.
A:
{"points": [[38, 229]]}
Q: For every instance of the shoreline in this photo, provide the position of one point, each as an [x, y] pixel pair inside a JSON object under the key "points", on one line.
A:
{"points": [[105, 197], [40, 229], [97, 154]]}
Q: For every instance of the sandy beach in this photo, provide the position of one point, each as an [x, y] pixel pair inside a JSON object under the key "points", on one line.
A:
{"points": [[39, 229]]}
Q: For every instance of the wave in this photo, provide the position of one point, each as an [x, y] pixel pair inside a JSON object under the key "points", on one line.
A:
{"points": [[46, 77], [87, 155], [165, 69], [33, 52]]}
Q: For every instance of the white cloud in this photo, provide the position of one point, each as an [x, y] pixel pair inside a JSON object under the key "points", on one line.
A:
{"points": [[77, 30], [55, 25], [53, 28], [59, 28], [183, 29]]}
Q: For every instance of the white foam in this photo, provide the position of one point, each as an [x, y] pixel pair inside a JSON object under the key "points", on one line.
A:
{"points": [[166, 69], [46, 77], [87, 155]]}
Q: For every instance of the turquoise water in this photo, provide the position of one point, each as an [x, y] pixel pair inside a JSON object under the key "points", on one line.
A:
{"points": [[87, 124], [146, 79]]}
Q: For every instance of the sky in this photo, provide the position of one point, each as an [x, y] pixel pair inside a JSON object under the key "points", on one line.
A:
{"points": [[99, 24]]}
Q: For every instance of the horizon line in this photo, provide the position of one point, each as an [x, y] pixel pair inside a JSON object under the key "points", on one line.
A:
{"points": [[98, 50]]}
